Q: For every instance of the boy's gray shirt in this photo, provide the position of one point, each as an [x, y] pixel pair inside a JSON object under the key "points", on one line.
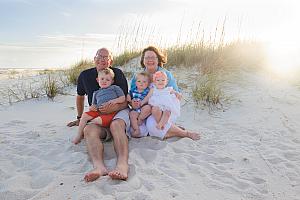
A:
{"points": [[104, 95]]}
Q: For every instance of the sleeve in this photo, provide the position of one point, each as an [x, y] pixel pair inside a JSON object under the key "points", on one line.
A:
{"points": [[120, 80], [118, 91], [94, 102], [172, 81], [80, 85]]}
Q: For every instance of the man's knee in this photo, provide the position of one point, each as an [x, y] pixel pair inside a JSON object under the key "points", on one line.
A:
{"points": [[90, 131], [117, 125]]}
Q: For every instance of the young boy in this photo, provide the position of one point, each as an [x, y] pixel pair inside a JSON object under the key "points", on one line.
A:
{"points": [[107, 94], [139, 95]]}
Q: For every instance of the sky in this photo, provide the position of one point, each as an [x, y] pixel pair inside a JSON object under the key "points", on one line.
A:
{"points": [[59, 33]]}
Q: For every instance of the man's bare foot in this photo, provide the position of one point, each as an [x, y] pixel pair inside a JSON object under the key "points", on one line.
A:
{"points": [[77, 139], [95, 174], [193, 135], [120, 173]]}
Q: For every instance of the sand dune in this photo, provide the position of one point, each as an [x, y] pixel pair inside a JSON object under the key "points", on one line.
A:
{"points": [[251, 150]]}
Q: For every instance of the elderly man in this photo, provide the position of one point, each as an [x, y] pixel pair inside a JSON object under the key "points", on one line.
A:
{"points": [[94, 134]]}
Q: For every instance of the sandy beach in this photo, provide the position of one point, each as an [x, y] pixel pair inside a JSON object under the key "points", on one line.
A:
{"points": [[250, 149]]}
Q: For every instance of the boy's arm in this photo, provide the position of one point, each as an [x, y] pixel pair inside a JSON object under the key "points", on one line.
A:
{"points": [[146, 99]]}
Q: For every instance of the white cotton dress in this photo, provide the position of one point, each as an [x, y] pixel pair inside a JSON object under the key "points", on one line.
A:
{"points": [[166, 101]]}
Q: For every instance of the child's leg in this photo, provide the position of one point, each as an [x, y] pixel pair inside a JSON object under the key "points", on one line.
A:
{"points": [[164, 119], [133, 115], [145, 112], [157, 113], [97, 120], [84, 119]]}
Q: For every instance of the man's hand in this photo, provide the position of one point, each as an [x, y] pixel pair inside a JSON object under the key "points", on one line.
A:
{"points": [[110, 108]]}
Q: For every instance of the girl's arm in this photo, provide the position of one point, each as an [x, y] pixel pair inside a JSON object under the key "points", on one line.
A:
{"points": [[146, 99]]}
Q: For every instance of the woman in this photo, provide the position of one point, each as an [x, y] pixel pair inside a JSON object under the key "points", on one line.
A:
{"points": [[152, 60]]}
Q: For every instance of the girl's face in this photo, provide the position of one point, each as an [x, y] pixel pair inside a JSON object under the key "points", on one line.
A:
{"points": [[160, 82], [151, 61], [105, 80], [142, 82]]}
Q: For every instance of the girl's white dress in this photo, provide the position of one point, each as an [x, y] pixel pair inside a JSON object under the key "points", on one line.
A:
{"points": [[166, 101]]}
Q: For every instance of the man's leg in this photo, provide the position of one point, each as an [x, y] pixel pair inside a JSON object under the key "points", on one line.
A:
{"points": [[117, 129], [92, 134]]}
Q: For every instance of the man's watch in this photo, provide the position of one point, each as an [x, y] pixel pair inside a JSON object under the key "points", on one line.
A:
{"points": [[78, 117]]}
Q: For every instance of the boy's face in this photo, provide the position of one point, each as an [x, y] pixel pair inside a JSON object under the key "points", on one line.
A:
{"points": [[105, 80], [160, 82], [142, 82]]}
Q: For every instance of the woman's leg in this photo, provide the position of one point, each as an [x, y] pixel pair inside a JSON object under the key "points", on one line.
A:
{"points": [[175, 131]]}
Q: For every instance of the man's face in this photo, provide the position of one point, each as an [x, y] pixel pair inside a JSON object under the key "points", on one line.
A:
{"points": [[102, 59]]}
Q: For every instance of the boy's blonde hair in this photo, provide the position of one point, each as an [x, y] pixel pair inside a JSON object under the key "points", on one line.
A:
{"points": [[145, 74], [106, 72]]}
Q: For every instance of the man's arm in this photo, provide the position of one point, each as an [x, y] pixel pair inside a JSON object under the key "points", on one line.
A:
{"points": [[110, 108], [79, 107]]}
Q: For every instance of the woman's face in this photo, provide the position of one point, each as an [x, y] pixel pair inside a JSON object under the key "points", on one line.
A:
{"points": [[151, 61]]}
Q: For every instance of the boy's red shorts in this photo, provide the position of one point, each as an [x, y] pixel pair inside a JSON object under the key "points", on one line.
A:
{"points": [[106, 118]]}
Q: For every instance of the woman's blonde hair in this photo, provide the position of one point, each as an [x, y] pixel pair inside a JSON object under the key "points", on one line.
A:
{"points": [[162, 59]]}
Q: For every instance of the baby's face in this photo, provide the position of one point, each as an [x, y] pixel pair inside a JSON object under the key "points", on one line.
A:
{"points": [[160, 82], [142, 82], [105, 80]]}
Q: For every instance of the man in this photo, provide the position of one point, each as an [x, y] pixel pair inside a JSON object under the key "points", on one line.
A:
{"points": [[93, 133]]}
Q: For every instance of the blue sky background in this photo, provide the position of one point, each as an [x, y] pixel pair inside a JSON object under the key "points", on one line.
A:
{"points": [[57, 33]]}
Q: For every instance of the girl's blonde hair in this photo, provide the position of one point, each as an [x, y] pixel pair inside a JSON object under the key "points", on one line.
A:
{"points": [[159, 74]]}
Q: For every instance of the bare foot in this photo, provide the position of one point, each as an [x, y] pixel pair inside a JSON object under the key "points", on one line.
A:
{"points": [[77, 139], [95, 174], [160, 126], [120, 173], [139, 121], [193, 135], [136, 133]]}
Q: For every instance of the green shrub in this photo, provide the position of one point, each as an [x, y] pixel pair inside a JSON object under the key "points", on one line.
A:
{"points": [[73, 73]]}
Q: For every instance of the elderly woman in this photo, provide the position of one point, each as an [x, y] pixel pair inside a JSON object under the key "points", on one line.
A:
{"points": [[152, 60]]}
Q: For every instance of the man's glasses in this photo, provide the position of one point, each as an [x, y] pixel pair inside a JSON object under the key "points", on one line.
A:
{"points": [[150, 58], [99, 57]]}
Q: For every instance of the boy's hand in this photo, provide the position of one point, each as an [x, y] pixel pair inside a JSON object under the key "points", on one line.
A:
{"points": [[136, 103]]}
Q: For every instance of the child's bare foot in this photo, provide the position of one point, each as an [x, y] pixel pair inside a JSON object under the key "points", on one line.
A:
{"points": [[136, 133], [193, 135], [160, 126], [77, 139], [139, 121]]}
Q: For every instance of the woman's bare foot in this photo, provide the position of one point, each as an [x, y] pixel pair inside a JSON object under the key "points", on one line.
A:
{"points": [[77, 139], [193, 135], [120, 173], [95, 174]]}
